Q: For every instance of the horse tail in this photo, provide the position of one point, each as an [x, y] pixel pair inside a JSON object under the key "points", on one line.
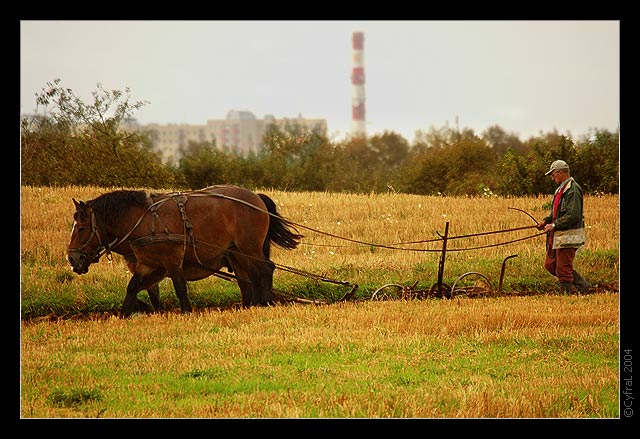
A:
{"points": [[281, 232]]}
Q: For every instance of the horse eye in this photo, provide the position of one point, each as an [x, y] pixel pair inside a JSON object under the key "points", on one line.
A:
{"points": [[81, 229]]}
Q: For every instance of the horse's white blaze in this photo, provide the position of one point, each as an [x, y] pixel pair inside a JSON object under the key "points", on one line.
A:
{"points": [[75, 223], [73, 229]]}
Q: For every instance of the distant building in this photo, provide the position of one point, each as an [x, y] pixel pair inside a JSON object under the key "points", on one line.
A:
{"points": [[241, 131]]}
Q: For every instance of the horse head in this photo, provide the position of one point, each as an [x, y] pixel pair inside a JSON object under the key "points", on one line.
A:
{"points": [[85, 246]]}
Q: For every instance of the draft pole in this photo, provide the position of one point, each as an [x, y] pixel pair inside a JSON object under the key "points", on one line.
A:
{"points": [[442, 256]]}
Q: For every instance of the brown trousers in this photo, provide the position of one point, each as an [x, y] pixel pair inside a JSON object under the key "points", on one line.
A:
{"points": [[559, 262]]}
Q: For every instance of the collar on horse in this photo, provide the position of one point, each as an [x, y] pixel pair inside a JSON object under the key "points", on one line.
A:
{"points": [[180, 199], [186, 238]]}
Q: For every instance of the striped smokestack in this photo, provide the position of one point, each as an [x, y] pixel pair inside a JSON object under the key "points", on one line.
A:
{"points": [[357, 81]]}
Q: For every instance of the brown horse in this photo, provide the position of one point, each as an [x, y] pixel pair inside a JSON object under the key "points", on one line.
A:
{"points": [[184, 236]]}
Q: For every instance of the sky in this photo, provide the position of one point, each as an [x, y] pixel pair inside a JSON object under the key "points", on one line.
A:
{"points": [[528, 77]]}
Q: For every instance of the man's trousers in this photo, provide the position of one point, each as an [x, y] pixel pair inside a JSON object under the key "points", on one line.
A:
{"points": [[559, 262]]}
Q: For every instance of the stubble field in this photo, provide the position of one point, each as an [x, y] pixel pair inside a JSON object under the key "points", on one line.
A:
{"points": [[515, 355]]}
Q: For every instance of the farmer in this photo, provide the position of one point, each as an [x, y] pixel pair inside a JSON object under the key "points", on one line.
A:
{"points": [[565, 230]]}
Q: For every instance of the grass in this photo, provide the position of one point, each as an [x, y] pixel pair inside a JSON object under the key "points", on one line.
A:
{"points": [[543, 356], [49, 288], [515, 355]]}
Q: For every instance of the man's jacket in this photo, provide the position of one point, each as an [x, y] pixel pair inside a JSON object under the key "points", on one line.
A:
{"points": [[569, 215]]}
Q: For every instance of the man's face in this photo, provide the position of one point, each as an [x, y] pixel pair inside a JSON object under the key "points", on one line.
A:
{"points": [[559, 176]]}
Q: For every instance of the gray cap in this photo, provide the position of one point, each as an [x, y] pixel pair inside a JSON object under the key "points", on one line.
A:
{"points": [[557, 165]]}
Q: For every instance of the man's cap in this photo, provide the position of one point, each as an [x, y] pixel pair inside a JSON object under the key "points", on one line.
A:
{"points": [[557, 165]]}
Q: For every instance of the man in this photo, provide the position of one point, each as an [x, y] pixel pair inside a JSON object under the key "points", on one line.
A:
{"points": [[565, 229]]}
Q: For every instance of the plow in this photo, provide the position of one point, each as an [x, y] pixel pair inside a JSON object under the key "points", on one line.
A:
{"points": [[470, 284]]}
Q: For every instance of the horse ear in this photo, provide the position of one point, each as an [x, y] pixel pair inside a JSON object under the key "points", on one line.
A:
{"points": [[81, 206]]}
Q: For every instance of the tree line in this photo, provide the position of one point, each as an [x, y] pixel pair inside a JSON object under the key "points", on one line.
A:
{"points": [[82, 144]]}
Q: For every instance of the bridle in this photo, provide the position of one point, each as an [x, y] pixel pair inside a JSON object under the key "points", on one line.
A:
{"points": [[102, 247], [97, 252]]}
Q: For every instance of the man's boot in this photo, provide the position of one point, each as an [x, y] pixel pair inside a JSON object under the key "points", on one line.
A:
{"points": [[581, 284], [565, 287]]}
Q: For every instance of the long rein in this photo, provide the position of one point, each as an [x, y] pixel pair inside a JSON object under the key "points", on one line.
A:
{"points": [[106, 248], [205, 193]]}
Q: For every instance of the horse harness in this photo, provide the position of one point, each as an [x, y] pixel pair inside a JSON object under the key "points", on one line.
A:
{"points": [[187, 237]]}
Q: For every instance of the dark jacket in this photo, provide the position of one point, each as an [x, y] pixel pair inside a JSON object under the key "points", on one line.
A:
{"points": [[570, 208]]}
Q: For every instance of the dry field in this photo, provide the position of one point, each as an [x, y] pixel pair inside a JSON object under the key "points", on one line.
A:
{"points": [[522, 357], [46, 220], [542, 356]]}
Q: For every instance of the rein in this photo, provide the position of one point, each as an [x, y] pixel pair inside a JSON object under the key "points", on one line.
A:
{"points": [[206, 193], [202, 192], [145, 240]]}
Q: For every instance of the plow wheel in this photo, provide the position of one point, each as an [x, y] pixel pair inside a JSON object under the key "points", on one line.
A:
{"points": [[443, 290], [472, 284]]}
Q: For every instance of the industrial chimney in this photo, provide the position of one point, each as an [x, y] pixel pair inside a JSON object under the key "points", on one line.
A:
{"points": [[358, 128]]}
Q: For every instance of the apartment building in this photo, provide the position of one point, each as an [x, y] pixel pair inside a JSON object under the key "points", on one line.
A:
{"points": [[240, 131]]}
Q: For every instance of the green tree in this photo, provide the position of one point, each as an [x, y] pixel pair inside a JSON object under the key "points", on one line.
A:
{"points": [[425, 172], [390, 148], [279, 156], [543, 150], [511, 174], [501, 141], [356, 167], [296, 159], [470, 166], [452, 162], [82, 143], [202, 164], [598, 161], [46, 152]]}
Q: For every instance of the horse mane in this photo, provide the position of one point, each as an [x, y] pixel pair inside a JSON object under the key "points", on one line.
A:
{"points": [[110, 206]]}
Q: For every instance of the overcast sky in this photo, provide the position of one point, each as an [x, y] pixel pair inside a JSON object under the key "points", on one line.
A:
{"points": [[526, 76]]}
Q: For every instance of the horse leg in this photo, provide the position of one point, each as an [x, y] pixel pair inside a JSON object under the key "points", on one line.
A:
{"points": [[139, 281], [153, 291], [260, 273], [180, 285], [130, 304], [256, 281], [240, 268], [266, 275], [246, 291], [154, 297]]}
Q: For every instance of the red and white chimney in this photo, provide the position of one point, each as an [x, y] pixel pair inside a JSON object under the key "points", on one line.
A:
{"points": [[358, 128]]}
